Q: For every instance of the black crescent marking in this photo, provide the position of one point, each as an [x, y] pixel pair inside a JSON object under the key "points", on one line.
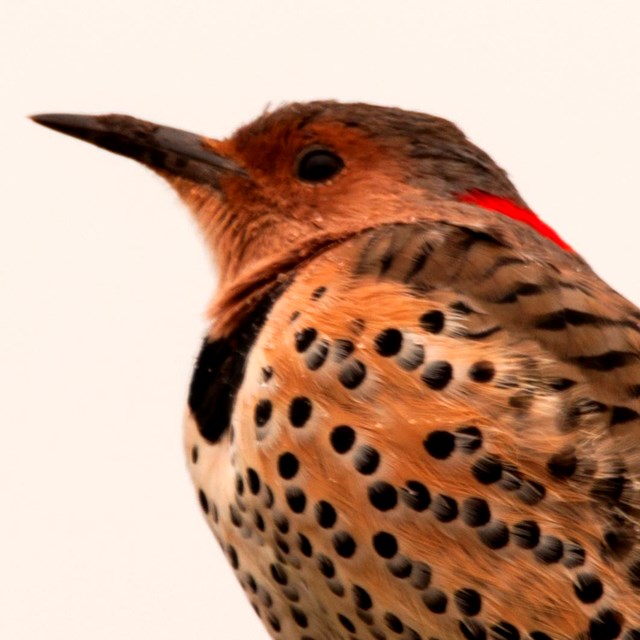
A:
{"points": [[219, 371]]}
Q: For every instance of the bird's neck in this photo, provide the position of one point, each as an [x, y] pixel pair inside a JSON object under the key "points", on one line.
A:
{"points": [[240, 293], [511, 210]]}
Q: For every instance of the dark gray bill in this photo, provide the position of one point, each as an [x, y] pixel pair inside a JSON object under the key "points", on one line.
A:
{"points": [[178, 152]]}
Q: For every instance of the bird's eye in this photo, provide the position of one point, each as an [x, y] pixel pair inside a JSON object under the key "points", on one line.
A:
{"points": [[318, 165]]}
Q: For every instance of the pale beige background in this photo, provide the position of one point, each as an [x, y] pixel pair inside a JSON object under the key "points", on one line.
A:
{"points": [[103, 278]]}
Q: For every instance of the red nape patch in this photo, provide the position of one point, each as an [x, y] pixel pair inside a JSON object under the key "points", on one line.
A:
{"points": [[508, 208]]}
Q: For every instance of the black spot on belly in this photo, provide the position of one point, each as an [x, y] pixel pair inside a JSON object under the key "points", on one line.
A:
{"points": [[482, 371], [526, 534], [382, 495], [487, 470], [316, 357], [468, 601], [326, 566], [300, 617], [346, 623], [574, 555], [475, 512], [300, 411], [385, 544], [361, 598], [393, 622], [204, 503], [352, 374], [220, 369], [288, 465], [437, 375], [400, 566], [253, 480], [416, 496], [305, 338], [444, 508], [439, 444], [588, 588], [494, 535], [388, 342], [342, 349], [325, 514], [550, 550], [296, 499], [305, 545], [606, 625], [432, 321], [344, 544], [435, 600], [342, 438], [563, 464]]}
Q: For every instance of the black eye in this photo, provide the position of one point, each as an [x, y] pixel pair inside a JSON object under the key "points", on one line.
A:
{"points": [[318, 165]]}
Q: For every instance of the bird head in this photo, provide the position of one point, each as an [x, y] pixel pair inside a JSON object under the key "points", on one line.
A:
{"points": [[305, 176]]}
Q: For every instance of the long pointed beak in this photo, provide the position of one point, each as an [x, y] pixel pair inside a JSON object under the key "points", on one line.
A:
{"points": [[178, 152]]}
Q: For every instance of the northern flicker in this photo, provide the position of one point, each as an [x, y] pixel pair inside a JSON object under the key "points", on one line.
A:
{"points": [[415, 415]]}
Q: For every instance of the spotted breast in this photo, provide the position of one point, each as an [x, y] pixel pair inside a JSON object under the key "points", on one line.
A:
{"points": [[406, 458]]}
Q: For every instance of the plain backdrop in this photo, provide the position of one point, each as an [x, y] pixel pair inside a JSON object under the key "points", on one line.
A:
{"points": [[103, 279]]}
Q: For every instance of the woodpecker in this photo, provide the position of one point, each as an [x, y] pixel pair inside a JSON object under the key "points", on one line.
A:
{"points": [[415, 412]]}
